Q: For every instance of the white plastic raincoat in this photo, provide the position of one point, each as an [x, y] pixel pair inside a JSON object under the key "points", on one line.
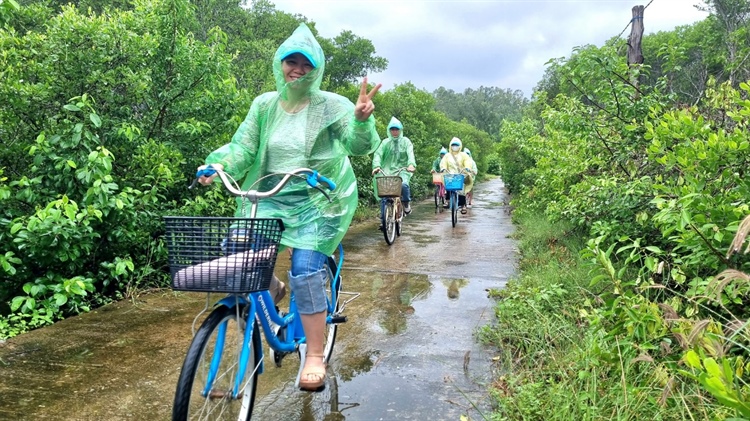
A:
{"points": [[320, 136]]}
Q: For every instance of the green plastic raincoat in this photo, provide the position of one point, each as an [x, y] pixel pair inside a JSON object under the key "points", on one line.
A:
{"points": [[319, 136], [436, 162], [395, 153]]}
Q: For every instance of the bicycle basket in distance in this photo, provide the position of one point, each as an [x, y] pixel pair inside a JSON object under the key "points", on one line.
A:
{"points": [[215, 254], [437, 178], [388, 186], [453, 181]]}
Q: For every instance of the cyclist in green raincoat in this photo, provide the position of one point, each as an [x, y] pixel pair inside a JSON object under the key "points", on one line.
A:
{"points": [[436, 162], [396, 151], [299, 125]]}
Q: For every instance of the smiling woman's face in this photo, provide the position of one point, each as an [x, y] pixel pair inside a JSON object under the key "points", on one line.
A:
{"points": [[295, 66]]}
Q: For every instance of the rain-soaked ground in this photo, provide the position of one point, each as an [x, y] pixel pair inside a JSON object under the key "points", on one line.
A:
{"points": [[407, 352]]}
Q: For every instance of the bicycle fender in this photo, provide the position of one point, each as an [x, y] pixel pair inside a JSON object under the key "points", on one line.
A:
{"points": [[231, 301]]}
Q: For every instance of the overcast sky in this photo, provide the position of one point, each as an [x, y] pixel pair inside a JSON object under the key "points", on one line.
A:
{"points": [[463, 44]]}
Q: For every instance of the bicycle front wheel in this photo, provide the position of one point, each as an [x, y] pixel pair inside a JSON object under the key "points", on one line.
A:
{"points": [[220, 338], [399, 207], [333, 285], [454, 208], [389, 229]]}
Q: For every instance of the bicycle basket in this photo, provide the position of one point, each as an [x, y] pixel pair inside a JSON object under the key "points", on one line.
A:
{"points": [[214, 254], [437, 178], [388, 186], [453, 181]]}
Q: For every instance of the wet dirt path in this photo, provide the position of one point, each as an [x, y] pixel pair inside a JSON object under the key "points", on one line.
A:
{"points": [[407, 352]]}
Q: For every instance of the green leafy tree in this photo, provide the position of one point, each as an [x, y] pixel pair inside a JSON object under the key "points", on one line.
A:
{"points": [[7, 9], [484, 108], [732, 18], [81, 203], [350, 58]]}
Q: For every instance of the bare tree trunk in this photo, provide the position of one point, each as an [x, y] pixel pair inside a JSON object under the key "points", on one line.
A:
{"points": [[635, 54]]}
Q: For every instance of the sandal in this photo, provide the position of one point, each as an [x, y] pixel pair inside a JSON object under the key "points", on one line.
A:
{"points": [[313, 378]]}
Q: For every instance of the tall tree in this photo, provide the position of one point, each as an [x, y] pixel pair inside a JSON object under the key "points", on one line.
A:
{"points": [[350, 58], [733, 18], [484, 108]]}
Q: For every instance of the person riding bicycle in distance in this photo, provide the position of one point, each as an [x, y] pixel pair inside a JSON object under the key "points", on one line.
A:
{"points": [[396, 151], [469, 190], [436, 162], [457, 162], [299, 125]]}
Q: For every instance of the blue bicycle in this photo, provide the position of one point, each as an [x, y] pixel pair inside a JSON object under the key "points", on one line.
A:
{"points": [[454, 183], [237, 256]]}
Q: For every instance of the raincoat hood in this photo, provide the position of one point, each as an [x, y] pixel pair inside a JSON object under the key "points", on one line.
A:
{"points": [[456, 141], [301, 41], [443, 151], [321, 136], [395, 123], [468, 152]]}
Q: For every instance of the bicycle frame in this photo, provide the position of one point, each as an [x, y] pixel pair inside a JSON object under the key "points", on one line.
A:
{"points": [[283, 332], [266, 314], [453, 197], [440, 189], [439, 196]]}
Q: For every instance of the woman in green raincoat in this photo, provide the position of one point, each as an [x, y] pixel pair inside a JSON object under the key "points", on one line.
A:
{"points": [[299, 125], [396, 151], [436, 162]]}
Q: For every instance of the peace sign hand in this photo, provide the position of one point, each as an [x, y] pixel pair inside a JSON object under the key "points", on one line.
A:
{"points": [[364, 107]]}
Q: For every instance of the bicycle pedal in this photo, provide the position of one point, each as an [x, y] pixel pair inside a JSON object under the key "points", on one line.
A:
{"points": [[278, 357], [338, 319]]}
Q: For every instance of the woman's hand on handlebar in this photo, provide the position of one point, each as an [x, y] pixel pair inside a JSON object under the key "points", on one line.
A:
{"points": [[207, 180], [376, 170], [410, 168]]}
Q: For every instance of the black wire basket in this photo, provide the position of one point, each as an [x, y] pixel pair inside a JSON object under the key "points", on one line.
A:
{"points": [[215, 254]]}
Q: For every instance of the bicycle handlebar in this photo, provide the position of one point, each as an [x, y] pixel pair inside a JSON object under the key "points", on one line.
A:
{"points": [[396, 172], [311, 176], [463, 171]]}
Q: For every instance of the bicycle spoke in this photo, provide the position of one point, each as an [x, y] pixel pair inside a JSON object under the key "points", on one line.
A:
{"points": [[217, 346]]}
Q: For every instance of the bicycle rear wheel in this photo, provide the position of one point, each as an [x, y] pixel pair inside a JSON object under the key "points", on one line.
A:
{"points": [[454, 208], [389, 222], [220, 333]]}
